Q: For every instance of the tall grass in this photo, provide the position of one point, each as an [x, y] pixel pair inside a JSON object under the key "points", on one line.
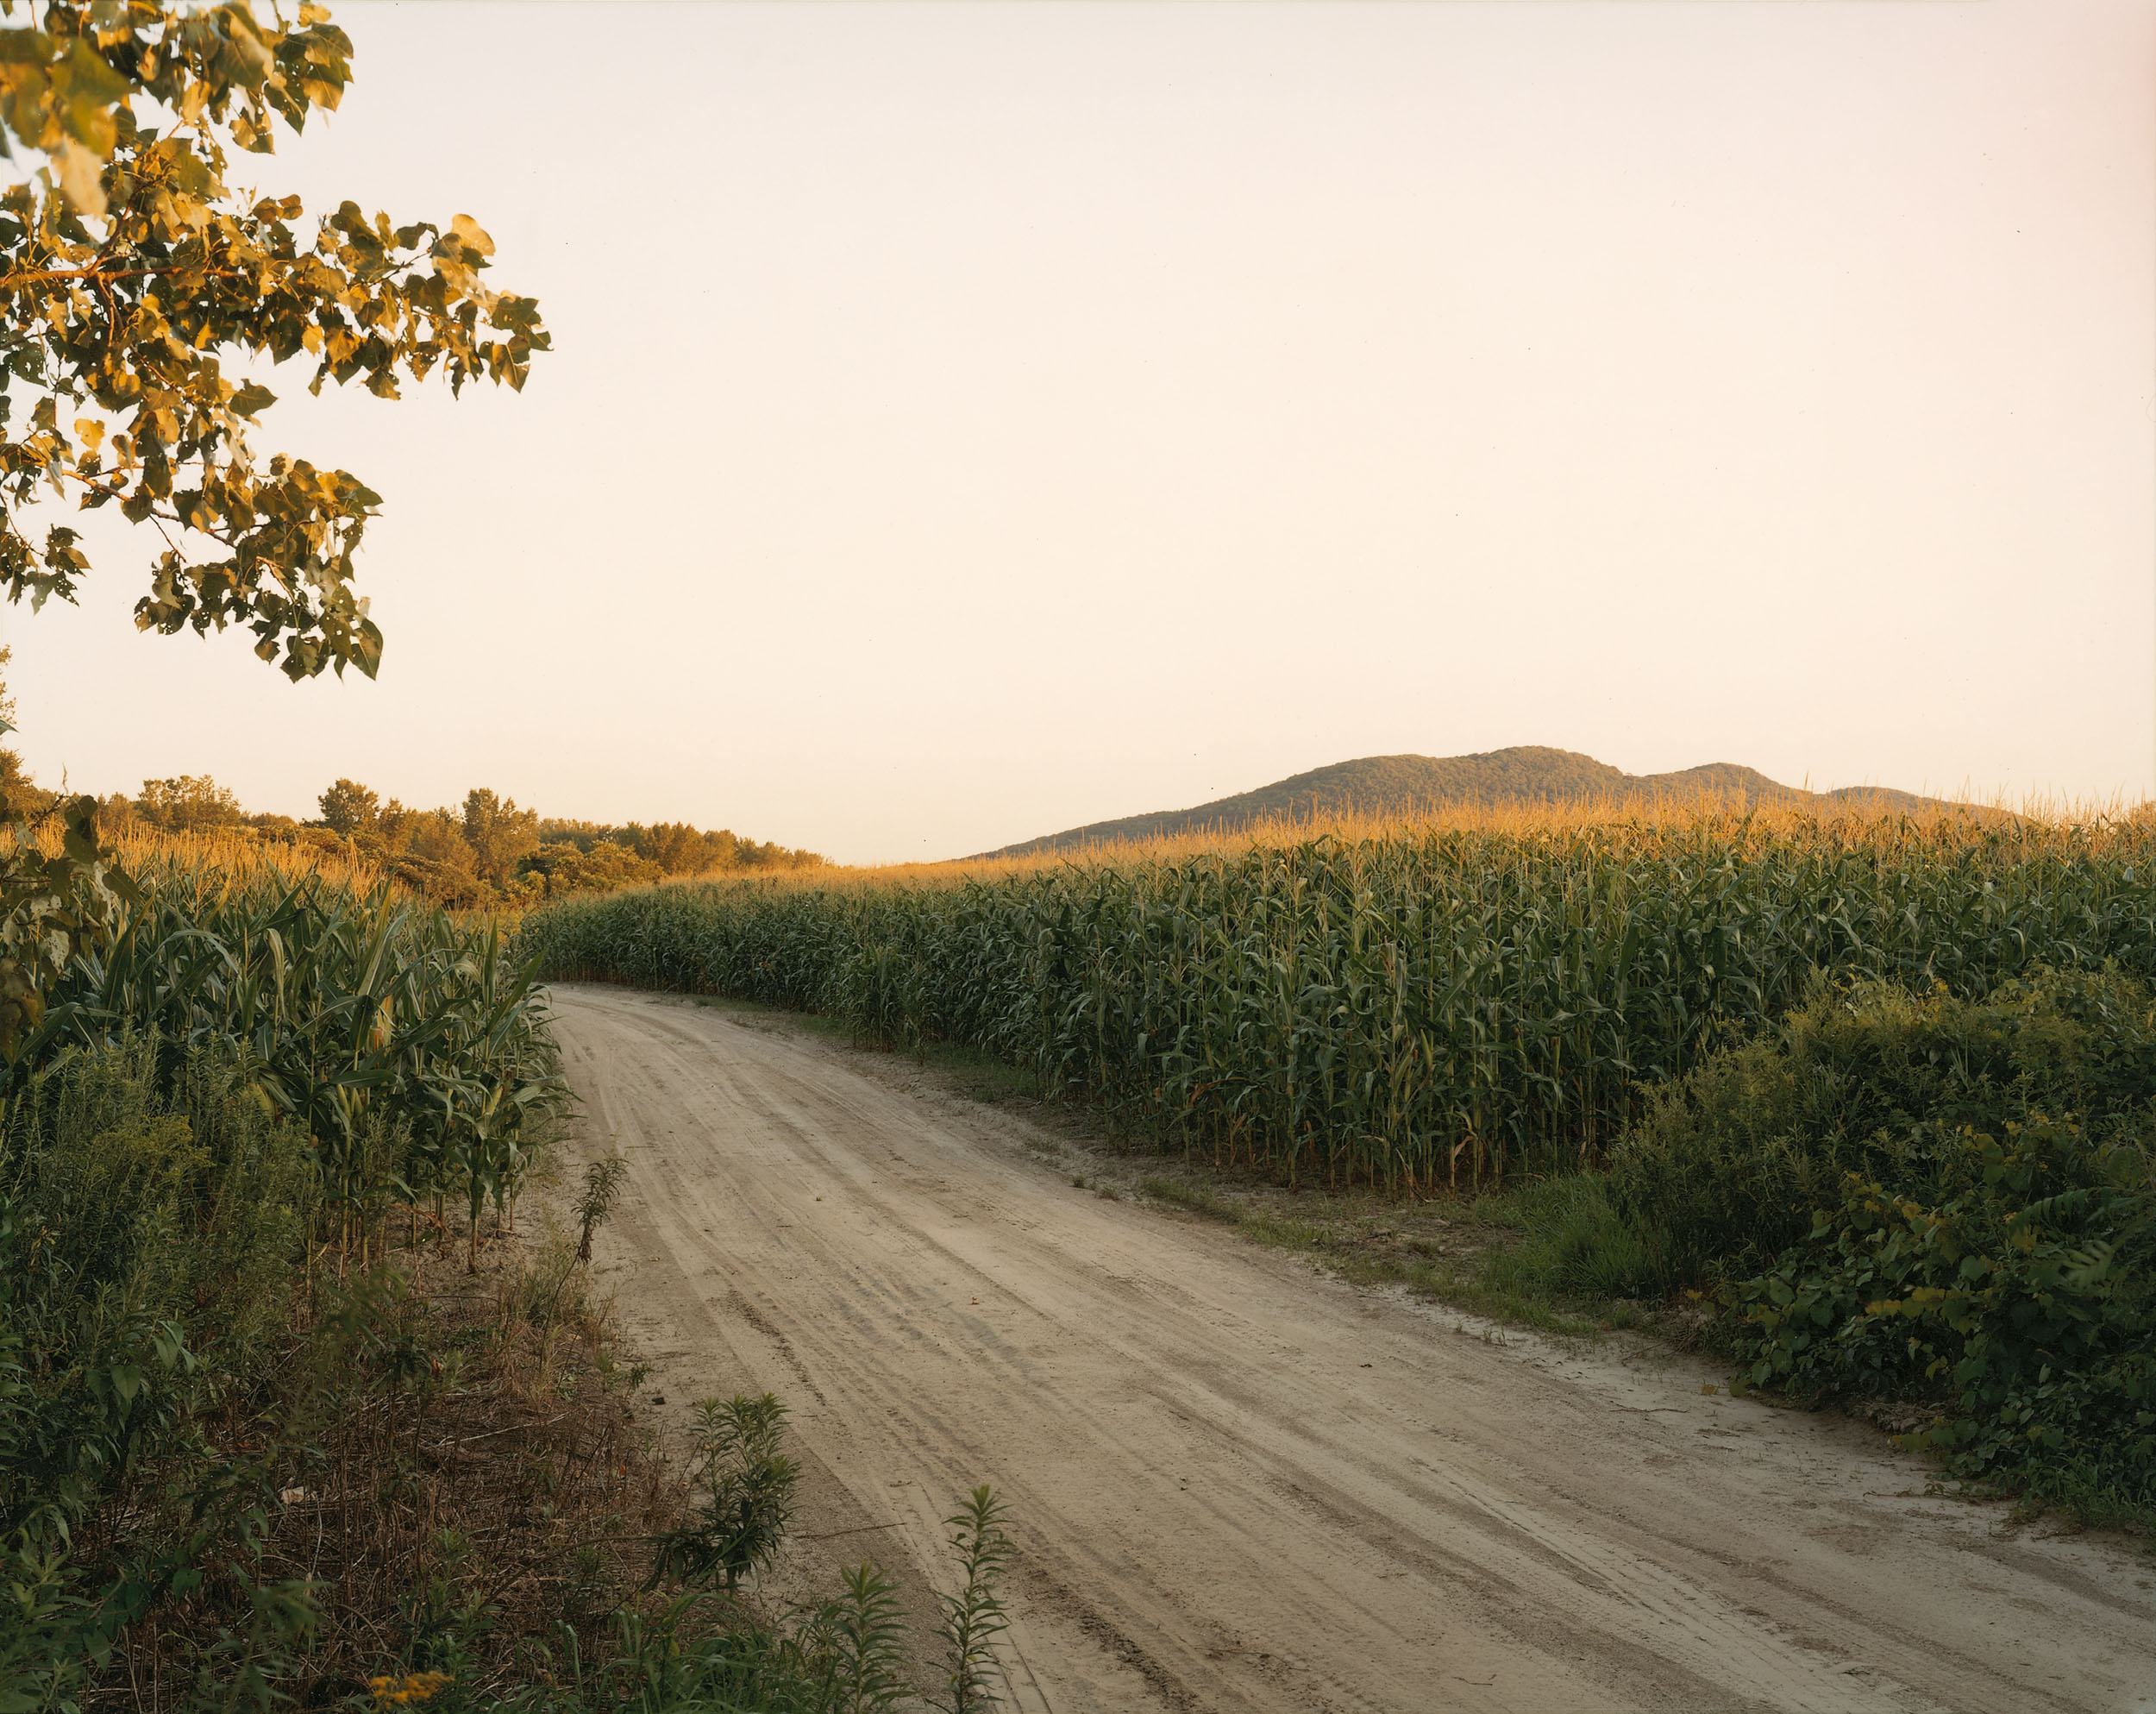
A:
{"points": [[1408, 1007]]}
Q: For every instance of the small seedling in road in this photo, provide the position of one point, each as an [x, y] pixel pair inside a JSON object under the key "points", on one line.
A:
{"points": [[595, 1201]]}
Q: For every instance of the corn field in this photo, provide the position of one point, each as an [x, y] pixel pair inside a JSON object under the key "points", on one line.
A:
{"points": [[1416, 1010], [410, 1048]]}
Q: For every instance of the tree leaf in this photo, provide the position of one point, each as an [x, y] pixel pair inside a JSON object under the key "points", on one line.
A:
{"points": [[81, 178], [469, 233]]}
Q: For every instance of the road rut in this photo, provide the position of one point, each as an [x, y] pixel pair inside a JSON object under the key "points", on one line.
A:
{"points": [[1238, 1484]]}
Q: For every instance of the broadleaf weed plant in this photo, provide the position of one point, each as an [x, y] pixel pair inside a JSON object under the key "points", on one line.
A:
{"points": [[858, 1641]]}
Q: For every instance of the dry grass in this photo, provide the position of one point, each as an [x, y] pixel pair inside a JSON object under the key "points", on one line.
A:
{"points": [[470, 1475]]}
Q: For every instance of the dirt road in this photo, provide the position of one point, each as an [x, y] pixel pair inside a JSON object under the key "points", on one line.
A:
{"points": [[1241, 1486]]}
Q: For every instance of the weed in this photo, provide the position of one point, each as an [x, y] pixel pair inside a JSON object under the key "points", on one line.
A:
{"points": [[974, 1616], [747, 1487], [858, 1639], [594, 1202], [1191, 1197]]}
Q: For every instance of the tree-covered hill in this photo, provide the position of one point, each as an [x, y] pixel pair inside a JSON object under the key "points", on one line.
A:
{"points": [[1414, 785]]}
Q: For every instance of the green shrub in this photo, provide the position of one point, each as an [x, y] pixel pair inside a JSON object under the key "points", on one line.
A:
{"points": [[1935, 1199], [2021, 1303], [149, 1240], [1725, 1169], [149, 1233]]}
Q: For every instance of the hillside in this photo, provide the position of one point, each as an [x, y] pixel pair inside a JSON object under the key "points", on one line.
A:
{"points": [[1413, 785]]}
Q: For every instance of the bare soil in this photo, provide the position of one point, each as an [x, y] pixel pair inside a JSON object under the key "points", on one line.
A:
{"points": [[1240, 1482]]}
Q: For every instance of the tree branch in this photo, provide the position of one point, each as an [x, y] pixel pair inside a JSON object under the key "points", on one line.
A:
{"points": [[99, 272]]}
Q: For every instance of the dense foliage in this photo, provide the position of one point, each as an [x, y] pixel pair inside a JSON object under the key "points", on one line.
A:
{"points": [[147, 1227], [673, 847], [1924, 1197], [1880, 1084], [1421, 1010], [485, 854], [132, 277], [219, 1076]]}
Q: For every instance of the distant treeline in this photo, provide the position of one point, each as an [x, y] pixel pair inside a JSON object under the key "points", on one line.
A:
{"points": [[487, 851], [490, 842]]}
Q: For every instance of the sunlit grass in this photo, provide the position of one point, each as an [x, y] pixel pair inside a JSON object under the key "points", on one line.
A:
{"points": [[2032, 825]]}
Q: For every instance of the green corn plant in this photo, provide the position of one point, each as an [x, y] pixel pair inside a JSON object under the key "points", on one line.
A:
{"points": [[412, 1049]]}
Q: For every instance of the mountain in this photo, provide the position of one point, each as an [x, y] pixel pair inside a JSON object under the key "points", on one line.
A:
{"points": [[1412, 785]]}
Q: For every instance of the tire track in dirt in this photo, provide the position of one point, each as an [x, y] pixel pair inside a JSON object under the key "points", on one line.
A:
{"points": [[1218, 1505]]}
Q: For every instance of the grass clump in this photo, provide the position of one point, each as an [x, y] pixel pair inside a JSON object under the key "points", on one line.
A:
{"points": [[1568, 1244], [1489, 1255], [1191, 1198]]}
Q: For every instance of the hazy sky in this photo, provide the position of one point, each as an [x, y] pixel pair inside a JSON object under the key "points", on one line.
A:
{"points": [[967, 421]]}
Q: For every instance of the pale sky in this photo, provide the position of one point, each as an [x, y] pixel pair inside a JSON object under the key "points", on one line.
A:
{"points": [[970, 421]]}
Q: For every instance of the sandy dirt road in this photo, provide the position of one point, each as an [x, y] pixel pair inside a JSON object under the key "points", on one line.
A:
{"points": [[1239, 1484]]}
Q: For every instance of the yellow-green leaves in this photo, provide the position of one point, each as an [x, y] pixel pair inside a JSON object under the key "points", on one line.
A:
{"points": [[469, 233], [80, 177], [51, 907], [140, 317], [57, 94]]}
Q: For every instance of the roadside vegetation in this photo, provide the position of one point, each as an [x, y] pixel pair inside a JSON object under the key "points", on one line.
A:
{"points": [[288, 1409], [1868, 1101]]}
